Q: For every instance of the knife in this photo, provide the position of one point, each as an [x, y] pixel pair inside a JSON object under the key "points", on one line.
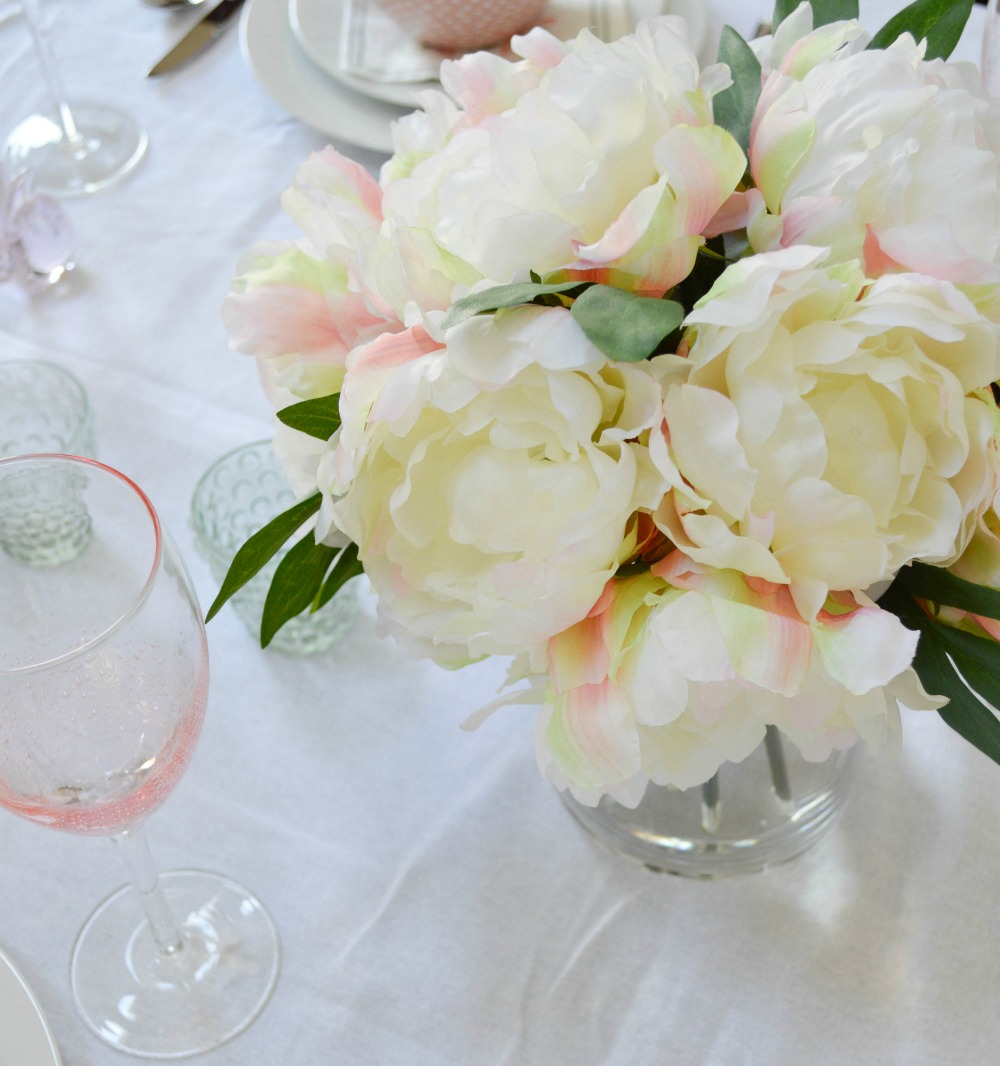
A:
{"points": [[199, 36]]}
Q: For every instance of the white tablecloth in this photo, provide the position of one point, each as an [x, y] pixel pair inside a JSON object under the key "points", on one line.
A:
{"points": [[437, 905]]}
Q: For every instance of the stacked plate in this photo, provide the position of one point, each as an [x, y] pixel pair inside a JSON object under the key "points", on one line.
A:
{"points": [[25, 1036], [345, 68]]}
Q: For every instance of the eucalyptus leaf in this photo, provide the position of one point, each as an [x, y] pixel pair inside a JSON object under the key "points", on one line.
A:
{"points": [[260, 547], [936, 584], [346, 567], [627, 328], [521, 292], [734, 107], [824, 11], [940, 22], [296, 582], [319, 418]]}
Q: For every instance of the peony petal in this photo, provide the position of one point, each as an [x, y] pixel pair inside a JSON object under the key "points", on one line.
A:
{"points": [[584, 733], [865, 648]]}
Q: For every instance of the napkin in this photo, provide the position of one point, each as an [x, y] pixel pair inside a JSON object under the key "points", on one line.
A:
{"points": [[374, 46]]}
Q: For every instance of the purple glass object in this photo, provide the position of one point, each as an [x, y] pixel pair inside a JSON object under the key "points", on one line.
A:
{"points": [[36, 238]]}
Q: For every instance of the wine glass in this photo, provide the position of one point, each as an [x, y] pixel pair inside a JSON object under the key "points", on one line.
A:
{"points": [[103, 688], [71, 150]]}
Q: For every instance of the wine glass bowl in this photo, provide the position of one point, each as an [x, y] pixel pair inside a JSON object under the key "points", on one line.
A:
{"points": [[103, 652], [103, 689]]}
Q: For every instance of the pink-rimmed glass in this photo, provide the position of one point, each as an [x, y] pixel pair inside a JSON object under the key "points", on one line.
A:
{"points": [[103, 689]]}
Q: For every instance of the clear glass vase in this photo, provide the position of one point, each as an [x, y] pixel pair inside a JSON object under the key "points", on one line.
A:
{"points": [[750, 816]]}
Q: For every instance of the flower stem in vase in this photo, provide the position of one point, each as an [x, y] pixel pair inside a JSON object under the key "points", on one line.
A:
{"points": [[711, 805], [776, 761]]}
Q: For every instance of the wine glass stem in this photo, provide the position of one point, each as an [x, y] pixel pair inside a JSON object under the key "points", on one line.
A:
{"points": [[134, 850], [38, 29]]}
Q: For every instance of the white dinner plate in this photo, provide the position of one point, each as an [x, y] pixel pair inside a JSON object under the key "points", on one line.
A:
{"points": [[301, 88], [25, 1036], [318, 27]]}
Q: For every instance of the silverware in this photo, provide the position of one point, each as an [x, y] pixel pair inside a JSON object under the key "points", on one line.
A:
{"points": [[198, 37], [172, 3]]}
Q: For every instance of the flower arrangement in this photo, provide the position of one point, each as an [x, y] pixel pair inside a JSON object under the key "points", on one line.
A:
{"points": [[673, 384]]}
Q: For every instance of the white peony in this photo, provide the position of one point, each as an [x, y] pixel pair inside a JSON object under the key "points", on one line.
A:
{"points": [[824, 431], [489, 479], [292, 305], [588, 158], [679, 670], [879, 154]]}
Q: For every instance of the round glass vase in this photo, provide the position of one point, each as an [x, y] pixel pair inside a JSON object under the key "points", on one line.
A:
{"points": [[751, 815]]}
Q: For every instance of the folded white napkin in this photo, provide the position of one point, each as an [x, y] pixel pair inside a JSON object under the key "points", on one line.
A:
{"points": [[374, 46]]}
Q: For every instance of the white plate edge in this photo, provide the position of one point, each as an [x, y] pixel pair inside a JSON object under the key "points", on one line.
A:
{"points": [[43, 1022], [339, 96]]}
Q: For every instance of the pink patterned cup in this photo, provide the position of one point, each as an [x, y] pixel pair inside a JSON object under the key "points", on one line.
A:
{"points": [[463, 25]]}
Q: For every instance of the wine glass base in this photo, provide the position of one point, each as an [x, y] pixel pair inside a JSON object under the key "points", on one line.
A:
{"points": [[160, 1007], [109, 146]]}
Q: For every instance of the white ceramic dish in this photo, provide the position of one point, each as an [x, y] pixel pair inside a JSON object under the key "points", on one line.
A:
{"points": [[301, 88], [318, 26], [25, 1036]]}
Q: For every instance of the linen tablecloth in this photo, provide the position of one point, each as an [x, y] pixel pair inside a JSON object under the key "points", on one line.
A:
{"points": [[437, 905]]}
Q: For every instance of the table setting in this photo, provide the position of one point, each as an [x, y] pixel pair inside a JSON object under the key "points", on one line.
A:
{"points": [[307, 351]]}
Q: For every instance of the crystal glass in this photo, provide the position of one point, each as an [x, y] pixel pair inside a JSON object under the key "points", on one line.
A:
{"points": [[103, 688], [70, 150], [751, 815], [36, 238], [236, 496], [43, 408]]}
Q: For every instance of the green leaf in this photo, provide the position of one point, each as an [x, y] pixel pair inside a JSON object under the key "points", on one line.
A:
{"points": [[967, 715], [521, 292], [980, 650], [949, 662], [936, 584], [626, 327], [824, 11], [939, 21], [782, 9], [260, 547], [942, 673], [346, 567], [319, 418], [296, 581], [734, 108]]}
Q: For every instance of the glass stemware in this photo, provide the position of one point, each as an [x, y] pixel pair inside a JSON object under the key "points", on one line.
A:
{"points": [[74, 150], [103, 688]]}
